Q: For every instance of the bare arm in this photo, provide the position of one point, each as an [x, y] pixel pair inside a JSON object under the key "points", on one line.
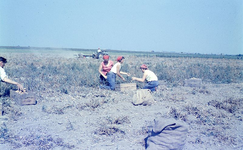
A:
{"points": [[100, 71], [125, 73], [140, 79], [118, 72], [20, 87]]}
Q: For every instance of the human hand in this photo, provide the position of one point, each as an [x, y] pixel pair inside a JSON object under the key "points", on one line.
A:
{"points": [[133, 78], [128, 74], [20, 88], [105, 77]]}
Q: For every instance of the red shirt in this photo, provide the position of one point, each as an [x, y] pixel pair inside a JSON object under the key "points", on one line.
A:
{"points": [[106, 68]]}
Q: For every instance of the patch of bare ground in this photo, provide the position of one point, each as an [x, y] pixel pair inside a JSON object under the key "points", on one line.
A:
{"points": [[101, 119]]}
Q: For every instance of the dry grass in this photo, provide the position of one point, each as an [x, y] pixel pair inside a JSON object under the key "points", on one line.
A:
{"points": [[61, 74], [111, 126]]}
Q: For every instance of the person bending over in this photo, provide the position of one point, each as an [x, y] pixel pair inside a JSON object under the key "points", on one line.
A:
{"points": [[150, 77], [4, 77], [104, 68], [115, 71]]}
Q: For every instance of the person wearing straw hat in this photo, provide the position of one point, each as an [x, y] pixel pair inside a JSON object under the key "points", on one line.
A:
{"points": [[150, 77], [104, 68], [3, 76], [115, 71]]}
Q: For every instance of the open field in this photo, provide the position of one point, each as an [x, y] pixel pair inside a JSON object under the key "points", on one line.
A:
{"points": [[70, 52], [73, 113]]}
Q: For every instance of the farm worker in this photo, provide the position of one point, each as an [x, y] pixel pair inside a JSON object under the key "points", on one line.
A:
{"points": [[104, 68], [115, 70], [150, 77], [99, 50], [4, 77]]}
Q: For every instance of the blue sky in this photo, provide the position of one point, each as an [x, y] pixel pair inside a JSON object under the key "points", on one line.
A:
{"points": [[189, 26]]}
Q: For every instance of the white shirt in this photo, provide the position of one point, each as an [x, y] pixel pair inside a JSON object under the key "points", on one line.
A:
{"points": [[2, 73], [150, 76], [114, 68]]}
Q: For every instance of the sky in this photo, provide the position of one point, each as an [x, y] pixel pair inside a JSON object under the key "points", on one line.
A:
{"points": [[188, 26]]}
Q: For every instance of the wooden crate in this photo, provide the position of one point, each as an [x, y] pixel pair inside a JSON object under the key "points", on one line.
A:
{"points": [[126, 87], [26, 98]]}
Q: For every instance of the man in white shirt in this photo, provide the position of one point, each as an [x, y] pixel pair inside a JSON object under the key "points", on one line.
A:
{"points": [[4, 77]]}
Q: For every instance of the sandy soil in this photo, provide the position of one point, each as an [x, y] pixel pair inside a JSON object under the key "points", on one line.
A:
{"points": [[96, 119]]}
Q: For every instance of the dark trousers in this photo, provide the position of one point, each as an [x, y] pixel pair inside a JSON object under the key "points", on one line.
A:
{"points": [[103, 80]]}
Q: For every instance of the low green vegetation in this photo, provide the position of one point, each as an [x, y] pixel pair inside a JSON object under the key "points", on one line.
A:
{"points": [[61, 74]]}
